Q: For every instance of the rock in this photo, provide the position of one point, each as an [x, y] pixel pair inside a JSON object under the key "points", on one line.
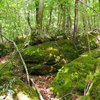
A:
{"points": [[48, 57], [12, 88], [72, 78], [94, 53]]}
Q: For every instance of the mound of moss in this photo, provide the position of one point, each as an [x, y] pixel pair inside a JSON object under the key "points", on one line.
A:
{"points": [[12, 87], [49, 57], [71, 78]]}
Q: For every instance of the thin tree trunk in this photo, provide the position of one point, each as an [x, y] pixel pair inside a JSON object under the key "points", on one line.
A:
{"points": [[75, 21], [69, 22], [50, 17]]}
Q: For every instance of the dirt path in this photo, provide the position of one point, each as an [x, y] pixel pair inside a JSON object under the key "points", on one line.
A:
{"points": [[43, 84]]}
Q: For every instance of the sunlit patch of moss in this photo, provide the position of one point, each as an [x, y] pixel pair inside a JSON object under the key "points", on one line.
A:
{"points": [[72, 77], [85, 98]]}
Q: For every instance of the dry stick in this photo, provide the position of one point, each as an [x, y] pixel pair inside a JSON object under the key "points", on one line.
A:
{"points": [[27, 74], [90, 7], [40, 96]]}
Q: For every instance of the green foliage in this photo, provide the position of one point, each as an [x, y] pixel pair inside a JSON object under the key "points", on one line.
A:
{"points": [[72, 77], [3, 50], [15, 85], [94, 53], [5, 69], [19, 40], [6, 84]]}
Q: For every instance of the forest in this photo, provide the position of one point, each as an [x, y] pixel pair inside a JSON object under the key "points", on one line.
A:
{"points": [[49, 49]]}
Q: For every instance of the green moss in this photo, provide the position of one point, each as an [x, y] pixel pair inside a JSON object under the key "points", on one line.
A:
{"points": [[71, 78], [16, 85], [95, 89], [85, 98], [94, 53], [5, 69], [19, 39], [39, 69], [49, 56], [3, 50], [84, 40]]}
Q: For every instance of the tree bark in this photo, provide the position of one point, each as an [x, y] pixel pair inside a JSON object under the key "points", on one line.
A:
{"points": [[75, 21]]}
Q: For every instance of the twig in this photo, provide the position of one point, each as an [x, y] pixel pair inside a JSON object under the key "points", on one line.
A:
{"points": [[40, 96]]}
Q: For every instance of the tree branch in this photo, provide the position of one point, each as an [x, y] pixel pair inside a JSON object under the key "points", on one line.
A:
{"points": [[90, 7], [40, 96]]}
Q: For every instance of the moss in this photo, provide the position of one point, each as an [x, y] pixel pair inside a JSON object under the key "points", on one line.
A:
{"points": [[16, 85], [72, 77], [19, 39], [3, 50], [95, 89], [94, 53], [5, 69], [85, 98], [39, 69], [82, 41], [51, 54]]}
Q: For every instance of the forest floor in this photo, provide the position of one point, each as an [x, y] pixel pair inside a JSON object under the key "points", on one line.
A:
{"points": [[42, 82]]}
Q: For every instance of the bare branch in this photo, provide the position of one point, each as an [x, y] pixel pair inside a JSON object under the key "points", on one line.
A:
{"points": [[40, 96], [90, 7]]}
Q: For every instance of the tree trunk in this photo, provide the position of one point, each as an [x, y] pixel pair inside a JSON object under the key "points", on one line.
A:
{"points": [[69, 22], [40, 17], [75, 21]]}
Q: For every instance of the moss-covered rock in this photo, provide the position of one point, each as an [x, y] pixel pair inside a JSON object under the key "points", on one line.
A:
{"points": [[95, 89], [14, 88], [94, 53], [71, 78], [94, 92], [86, 40], [50, 56]]}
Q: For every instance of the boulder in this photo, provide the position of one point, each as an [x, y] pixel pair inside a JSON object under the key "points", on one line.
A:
{"points": [[48, 57], [72, 79]]}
